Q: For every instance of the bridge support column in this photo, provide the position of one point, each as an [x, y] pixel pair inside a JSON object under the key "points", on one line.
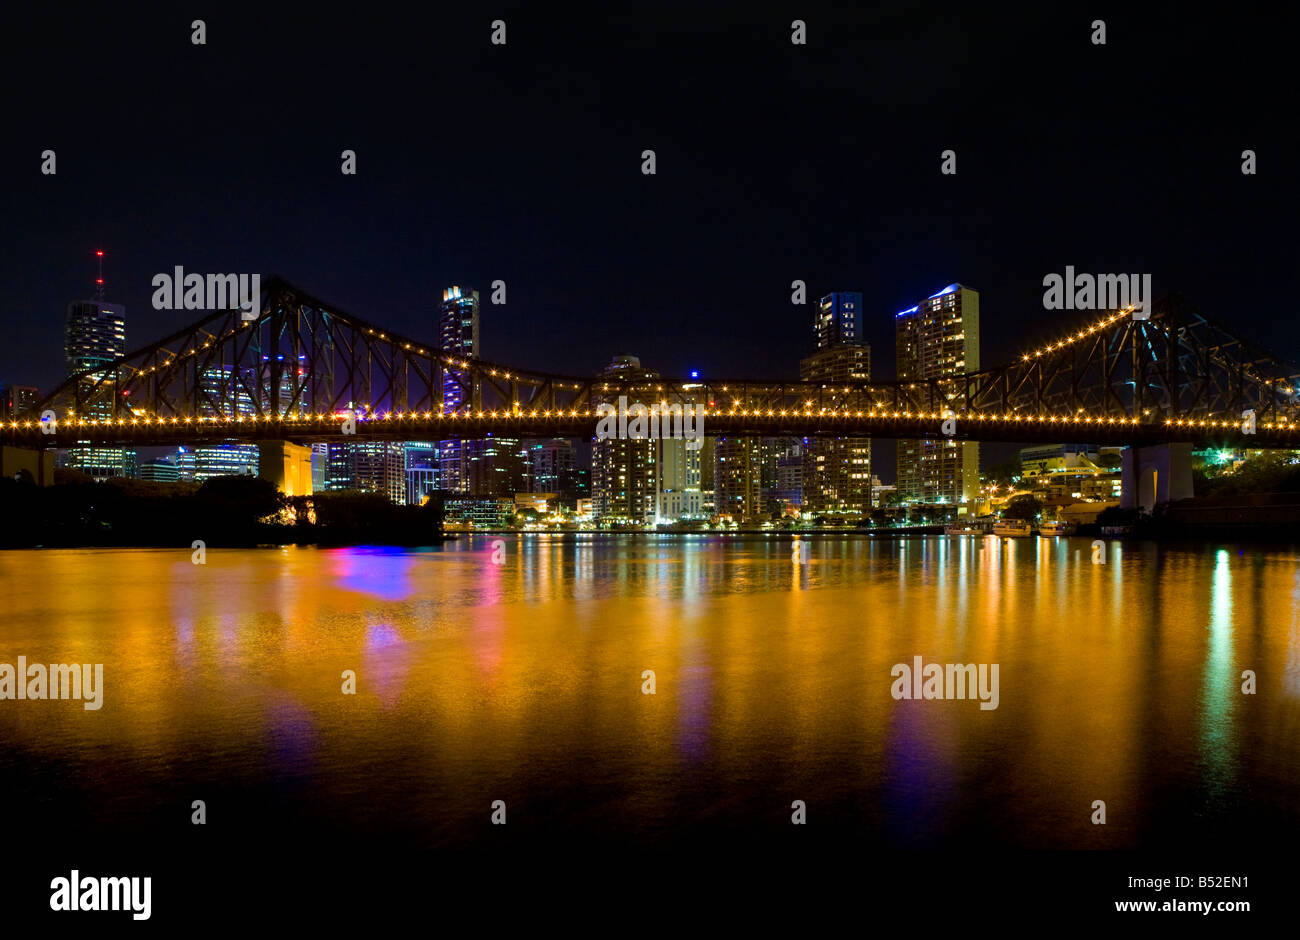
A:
{"points": [[286, 465], [34, 465], [1150, 476]]}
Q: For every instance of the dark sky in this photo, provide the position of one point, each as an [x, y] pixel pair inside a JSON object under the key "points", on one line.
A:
{"points": [[775, 162]]}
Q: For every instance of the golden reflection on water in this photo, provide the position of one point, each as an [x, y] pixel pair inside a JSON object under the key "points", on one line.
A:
{"points": [[1118, 681]]}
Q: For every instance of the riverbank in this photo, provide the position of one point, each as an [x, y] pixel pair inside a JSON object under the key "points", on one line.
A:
{"points": [[225, 512]]}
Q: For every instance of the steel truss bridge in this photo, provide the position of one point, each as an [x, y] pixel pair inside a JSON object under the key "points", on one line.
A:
{"points": [[294, 372]]}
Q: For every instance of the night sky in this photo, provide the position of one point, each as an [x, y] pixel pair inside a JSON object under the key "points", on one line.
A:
{"points": [[522, 163]]}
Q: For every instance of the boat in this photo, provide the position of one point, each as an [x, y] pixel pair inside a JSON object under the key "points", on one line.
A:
{"points": [[1053, 528], [1012, 528], [960, 528]]}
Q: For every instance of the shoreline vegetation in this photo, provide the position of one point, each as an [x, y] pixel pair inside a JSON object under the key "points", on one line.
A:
{"points": [[246, 512], [224, 512]]}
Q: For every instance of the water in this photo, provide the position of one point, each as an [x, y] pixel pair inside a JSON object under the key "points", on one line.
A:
{"points": [[522, 682]]}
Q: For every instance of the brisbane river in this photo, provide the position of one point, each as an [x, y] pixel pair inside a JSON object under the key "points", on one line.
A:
{"points": [[519, 672]]}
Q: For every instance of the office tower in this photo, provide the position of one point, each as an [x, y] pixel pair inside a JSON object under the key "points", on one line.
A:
{"points": [[493, 466], [368, 466], [17, 400], [737, 478], [223, 395], [839, 320], [937, 338], [458, 328], [624, 472], [421, 470], [95, 336], [678, 496], [789, 478], [320, 462], [224, 460], [551, 465], [770, 451], [159, 470], [836, 471]]}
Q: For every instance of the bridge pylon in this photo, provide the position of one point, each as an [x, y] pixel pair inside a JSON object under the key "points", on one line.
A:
{"points": [[287, 465], [1154, 475]]}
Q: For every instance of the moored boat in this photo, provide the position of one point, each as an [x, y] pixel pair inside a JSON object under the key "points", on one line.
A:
{"points": [[1012, 528]]}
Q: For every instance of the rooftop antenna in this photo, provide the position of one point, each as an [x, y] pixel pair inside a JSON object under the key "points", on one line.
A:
{"points": [[99, 281]]}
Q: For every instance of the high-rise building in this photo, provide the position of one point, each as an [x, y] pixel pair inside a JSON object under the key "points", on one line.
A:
{"points": [[678, 496], [159, 470], [458, 329], [737, 478], [839, 320], [369, 466], [789, 477], [551, 465], [223, 394], [494, 466], [836, 475], [421, 470], [95, 336], [320, 464], [224, 460], [937, 338], [836, 471], [624, 473], [17, 400]]}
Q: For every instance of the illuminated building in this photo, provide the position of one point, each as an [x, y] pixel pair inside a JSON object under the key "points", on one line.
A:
{"points": [[836, 471], [222, 394], [16, 400], [737, 478], [937, 338], [421, 470], [789, 477], [839, 320], [624, 472], [458, 332], [551, 462], [159, 470], [95, 336], [493, 466], [368, 466], [678, 493]]}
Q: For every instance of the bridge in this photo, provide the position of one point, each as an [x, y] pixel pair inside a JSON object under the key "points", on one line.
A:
{"points": [[303, 371]]}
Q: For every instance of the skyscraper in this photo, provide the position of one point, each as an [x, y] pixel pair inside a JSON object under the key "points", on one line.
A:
{"points": [[17, 400], [836, 471], [839, 320], [95, 336], [939, 337], [222, 394], [624, 473], [369, 466], [458, 328], [421, 470], [552, 464], [738, 490]]}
